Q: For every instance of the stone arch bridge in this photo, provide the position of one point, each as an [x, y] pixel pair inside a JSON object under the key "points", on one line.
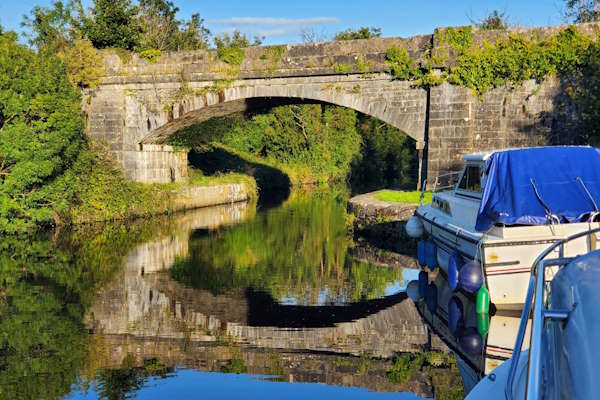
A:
{"points": [[139, 104]]}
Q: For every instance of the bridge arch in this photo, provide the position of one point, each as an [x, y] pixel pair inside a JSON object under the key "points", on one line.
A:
{"points": [[397, 103]]}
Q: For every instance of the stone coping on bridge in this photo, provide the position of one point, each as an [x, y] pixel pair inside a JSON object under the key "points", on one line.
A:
{"points": [[329, 58]]}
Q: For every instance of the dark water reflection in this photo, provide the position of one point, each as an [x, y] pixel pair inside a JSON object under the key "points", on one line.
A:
{"points": [[174, 307]]}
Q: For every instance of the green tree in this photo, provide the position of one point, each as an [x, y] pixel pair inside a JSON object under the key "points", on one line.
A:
{"points": [[581, 10], [387, 158], [84, 64], [53, 29], [41, 134], [586, 93], [162, 31], [364, 32], [192, 34], [158, 24], [237, 39], [113, 23], [495, 20]]}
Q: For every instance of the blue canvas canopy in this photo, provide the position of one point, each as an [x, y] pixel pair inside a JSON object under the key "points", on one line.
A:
{"points": [[535, 186]]}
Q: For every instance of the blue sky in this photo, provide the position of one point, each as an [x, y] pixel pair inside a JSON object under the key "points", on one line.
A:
{"points": [[282, 20]]}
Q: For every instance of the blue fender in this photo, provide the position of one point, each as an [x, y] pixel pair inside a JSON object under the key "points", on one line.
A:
{"points": [[431, 254], [455, 314], [421, 253], [423, 281], [470, 277], [455, 263], [431, 297], [470, 341]]}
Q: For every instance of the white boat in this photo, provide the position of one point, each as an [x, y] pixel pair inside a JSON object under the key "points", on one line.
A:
{"points": [[505, 208], [564, 354]]}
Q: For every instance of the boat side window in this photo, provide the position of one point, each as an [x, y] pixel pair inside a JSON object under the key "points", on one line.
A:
{"points": [[471, 179]]}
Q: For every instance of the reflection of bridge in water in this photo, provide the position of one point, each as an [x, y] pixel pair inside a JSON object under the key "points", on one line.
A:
{"points": [[143, 301]]}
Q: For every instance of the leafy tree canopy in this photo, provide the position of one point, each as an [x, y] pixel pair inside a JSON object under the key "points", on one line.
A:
{"points": [[362, 33], [41, 134], [495, 20], [113, 23], [236, 40], [162, 31], [151, 24], [581, 10]]}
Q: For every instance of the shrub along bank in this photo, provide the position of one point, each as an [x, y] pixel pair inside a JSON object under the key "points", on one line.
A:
{"points": [[48, 174]]}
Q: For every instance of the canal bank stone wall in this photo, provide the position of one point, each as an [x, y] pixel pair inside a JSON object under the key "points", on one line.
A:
{"points": [[204, 196], [139, 104], [368, 210]]}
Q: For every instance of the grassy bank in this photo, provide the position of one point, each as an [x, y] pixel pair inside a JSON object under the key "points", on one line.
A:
{"points": [[411, 197], [102, 193]]}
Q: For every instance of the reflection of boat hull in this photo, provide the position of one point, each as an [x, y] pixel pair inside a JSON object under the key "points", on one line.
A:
{"points": [[478, 355]]}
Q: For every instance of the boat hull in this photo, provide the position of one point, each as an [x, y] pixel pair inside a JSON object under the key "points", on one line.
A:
{"points": [[507, 261]]}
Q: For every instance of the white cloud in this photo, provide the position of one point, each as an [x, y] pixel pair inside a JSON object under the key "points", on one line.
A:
{"points": [[278, 21], [276, 32]]}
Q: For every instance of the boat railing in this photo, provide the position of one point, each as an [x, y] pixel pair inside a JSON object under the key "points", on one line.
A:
{"points": [[536, 307], [442, 182]]}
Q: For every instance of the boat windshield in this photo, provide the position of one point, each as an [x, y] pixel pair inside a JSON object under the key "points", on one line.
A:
{"points": [[471, 180]]}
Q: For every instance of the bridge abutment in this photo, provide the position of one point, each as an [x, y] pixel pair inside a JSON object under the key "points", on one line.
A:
{"points": [[460, 122], [156, 164]]}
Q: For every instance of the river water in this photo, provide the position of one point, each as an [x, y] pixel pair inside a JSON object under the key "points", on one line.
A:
{"points": [[235, 301]]}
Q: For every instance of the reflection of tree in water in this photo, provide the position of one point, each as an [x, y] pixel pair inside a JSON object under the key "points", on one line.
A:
{"points": [[45, 288], [439, 368], [119, 384], [298, 251]]}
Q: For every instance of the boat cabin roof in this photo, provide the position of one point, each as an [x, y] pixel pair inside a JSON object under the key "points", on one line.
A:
{"points": [[479, 156]]}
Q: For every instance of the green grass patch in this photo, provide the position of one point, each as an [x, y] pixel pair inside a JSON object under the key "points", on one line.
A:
{"points": [[412, 197], [197, 178]]}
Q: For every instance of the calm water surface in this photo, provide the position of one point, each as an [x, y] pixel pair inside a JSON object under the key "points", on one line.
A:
{"points": [[224, 302]]}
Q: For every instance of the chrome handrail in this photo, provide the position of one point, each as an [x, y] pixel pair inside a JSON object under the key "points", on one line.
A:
{"points": [[535, 290], [435, 185]]}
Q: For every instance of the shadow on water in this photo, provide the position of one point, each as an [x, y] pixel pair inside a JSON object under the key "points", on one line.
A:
{"points": [[263, 310], [273, 185], [390, 236]]}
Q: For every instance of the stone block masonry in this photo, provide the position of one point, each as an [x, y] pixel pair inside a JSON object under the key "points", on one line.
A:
{"points": [[139, 105], [155, 164], [460, 122]]}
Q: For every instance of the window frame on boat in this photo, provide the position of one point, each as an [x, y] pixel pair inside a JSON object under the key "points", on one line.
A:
{"points": [[482, 179]]}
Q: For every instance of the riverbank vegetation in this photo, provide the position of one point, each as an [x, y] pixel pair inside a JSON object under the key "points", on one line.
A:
{"points": [[49, 175], [309, 143]]}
